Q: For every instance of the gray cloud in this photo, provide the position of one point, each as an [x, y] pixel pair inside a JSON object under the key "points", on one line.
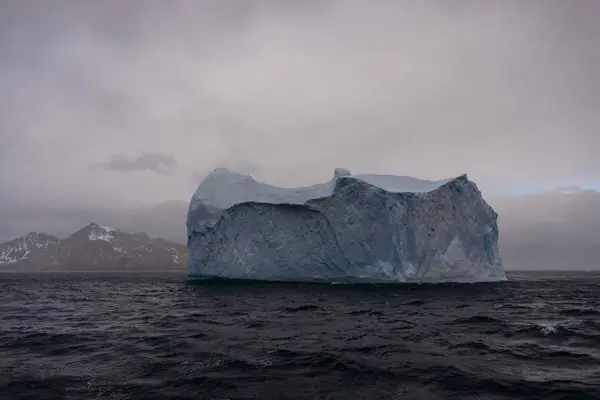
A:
{"points": [[155, 162], [504, 90], [197, 177], [553, 230], [571, 189]]}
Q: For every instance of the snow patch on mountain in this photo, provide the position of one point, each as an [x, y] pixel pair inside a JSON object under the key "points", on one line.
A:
{"points": [[101, 232]]}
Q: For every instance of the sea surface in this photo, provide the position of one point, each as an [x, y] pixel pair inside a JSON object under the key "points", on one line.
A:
{"points": [[157, 336]]}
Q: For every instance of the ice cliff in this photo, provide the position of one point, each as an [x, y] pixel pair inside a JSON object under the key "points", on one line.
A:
{"points": [[352, 228]]}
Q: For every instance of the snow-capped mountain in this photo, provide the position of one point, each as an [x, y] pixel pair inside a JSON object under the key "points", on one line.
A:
{"points": [[94, 247], [20, 249]]}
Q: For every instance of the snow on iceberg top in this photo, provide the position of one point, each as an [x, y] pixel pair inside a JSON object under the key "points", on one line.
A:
{"points": [[223, 188]]}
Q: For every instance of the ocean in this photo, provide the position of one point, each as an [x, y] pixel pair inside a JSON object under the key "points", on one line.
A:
{"points": [[157, 336]]}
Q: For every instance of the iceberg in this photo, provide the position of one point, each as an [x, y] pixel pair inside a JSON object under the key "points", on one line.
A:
{"points": [[354, 228]]}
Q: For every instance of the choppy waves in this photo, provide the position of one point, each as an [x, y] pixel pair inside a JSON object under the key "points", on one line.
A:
{"points": [[159, 337]]}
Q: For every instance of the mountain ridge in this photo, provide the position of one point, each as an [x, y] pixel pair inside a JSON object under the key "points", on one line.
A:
{"points": [[93, 247]]}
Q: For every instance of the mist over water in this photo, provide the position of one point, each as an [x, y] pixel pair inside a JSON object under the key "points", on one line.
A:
{"points": [[156, 336]]}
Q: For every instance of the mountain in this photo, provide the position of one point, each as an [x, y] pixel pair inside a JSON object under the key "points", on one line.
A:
{"points": [[94, 247], [21, 249]]}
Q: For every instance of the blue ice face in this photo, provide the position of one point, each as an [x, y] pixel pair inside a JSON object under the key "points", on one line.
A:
{"points": [[346, 229]]}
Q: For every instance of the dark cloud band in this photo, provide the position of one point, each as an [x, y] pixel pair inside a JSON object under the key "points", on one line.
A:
{"points": [[159, 163]]}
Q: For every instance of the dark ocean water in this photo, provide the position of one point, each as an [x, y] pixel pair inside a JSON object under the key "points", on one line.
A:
{"points": [[156, 336]]}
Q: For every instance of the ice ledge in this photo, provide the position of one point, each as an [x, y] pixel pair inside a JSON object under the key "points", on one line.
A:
{"points": [[371, 180], [343, 186], [223, 188]]}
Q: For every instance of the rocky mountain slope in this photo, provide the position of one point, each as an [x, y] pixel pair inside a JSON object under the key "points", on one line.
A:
{"points": [[94, 247]]}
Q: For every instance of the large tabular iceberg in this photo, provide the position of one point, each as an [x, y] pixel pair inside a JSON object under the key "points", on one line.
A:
{"points": [[354, 228]]}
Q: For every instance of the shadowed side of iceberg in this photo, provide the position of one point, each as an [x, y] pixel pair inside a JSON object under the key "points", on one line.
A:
{"points": [[268, 242], [357, 232]]}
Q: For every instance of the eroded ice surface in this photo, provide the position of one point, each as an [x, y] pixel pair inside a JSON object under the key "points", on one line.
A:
{"points": [[223, 188], [354, 227]]}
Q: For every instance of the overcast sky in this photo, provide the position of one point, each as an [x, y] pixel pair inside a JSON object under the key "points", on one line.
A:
{"points": [[112, 103]]}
